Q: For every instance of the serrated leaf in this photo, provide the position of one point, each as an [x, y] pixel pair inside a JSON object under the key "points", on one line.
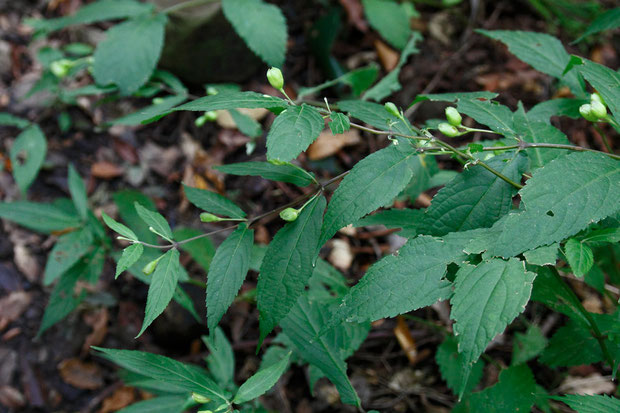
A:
{"points": [[539, 132], [486, 299], [302, 326], [375, 115], [546, 255], [372, 183], [130, 256], [476, 198], [552, 292], [280, 172], [389, 19], [262, 26], [559, 200], [293, 131], [66, 252], [94, 12], [288, 265], [495, 116], [528, 345], [45, 218], [234, 100], [602, 236], [118, 227], [162, 288], [452, 367], [606, 21], [78, 192], [543, 52], [125, 201], [591, 403], [27, 155], [606, 82], [543, 111], [454, 97], [201, 250], [580, 257], [339, 123], [129, 53], [154, 220], [406, 219], [221, 358], [246, 124], [261, 381], [160, 404], [186, 376], [212, 202], [572, 345]]}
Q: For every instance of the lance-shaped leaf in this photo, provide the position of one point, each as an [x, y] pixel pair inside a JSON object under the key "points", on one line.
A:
{"points": [[227, 272], [560, 200], [154, 220], [293, 131], [130, 256], [375, 115], [605, 80], [372, 183], [606, 21], [78, 192], [302, 326], [234, 100], [118, 227], [486, 298], [160, 404], [186, 376], [476, 198], [276, 172], [390, 20], [591, 403], [45, 218], [454, 97], [66, 252], [288, 264], [212, 202], [27, 155], [495, 116], [162, 288], [263, 380]]}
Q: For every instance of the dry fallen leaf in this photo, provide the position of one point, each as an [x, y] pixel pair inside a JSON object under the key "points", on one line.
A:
{"points": [[225, 120], [106, 170], [11, 398], [98, 321], [327, 144], [388, 56], [12, 306], [405, 339], [121, 398], [26, 262], [80, 374], [355, 14], [593, 384]]}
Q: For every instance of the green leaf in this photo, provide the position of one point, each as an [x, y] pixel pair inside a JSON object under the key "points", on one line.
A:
{"points": [[201, 250], [543, 111], [78, 192], [372, 183], [288, 265], [187, 376], [27, 155], [125, 201], [234, 100], [389, 19], [602, 236], [453, 367], [580, 257], [227, 272], [129, 53], [559, 200], [543, 52], [293, 131], [246, 124], [302, 326], [45, 218], [539, 132], [375, 115], [212, 202], [154, 220], [275, 172], [118, 227], [476, 198], [407, 219], [339, 123], [66, 252], [495, 116], [572, 345], [161, 404], [552, 292], [591, 403], [606, 82], [149, 112], [6, 119], [454, 97], [261, 381], [606, 21], [262, 26], [486, 299], [130, 256], [221, 358], [94, 12], [390, 84], [163, 285], [528, 345], [546, 255], [359, 80]]}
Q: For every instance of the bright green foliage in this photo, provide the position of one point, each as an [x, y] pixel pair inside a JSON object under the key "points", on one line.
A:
{"points": [[66, 252], [154, 220], [605, 81], [78, 192], [130, 256], [212, 202], [543, 52], [227, 272], [495, 116], [453, 367], [546, 255], [486, 298], [293, 131], [261, 25], [594, 403], [375, 115], [606, 21], [560, 200], [125, 201], [27, 155], [572, 345], [339, 123], [117, 60], [287, 266], [233, 100], [162, 287], [263, 380], [221, 358], [579, 255], [118, 227], [161, 404], [373, 182], [186, 376], [276, 172], [390, 20], [45, 218], [473, 199], [528, 345]]}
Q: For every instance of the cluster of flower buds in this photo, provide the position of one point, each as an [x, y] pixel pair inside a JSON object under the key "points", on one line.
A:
{"points": [[595, 110], [450, 128]]}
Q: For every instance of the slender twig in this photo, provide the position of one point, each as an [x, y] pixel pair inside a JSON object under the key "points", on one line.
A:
{"points": [[604, 138]]}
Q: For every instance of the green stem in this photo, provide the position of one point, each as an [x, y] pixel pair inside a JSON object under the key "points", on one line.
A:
{"points": [[478, 130], [181, 6], [604, 138]]}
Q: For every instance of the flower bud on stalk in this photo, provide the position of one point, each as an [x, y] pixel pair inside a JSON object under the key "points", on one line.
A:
{"points": [[453, 116], [207, 217], [60, 68], [449, 130], [198, 398], [289, 214], [392, 109], [275, 78], [586, 112], [598, 109]]}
